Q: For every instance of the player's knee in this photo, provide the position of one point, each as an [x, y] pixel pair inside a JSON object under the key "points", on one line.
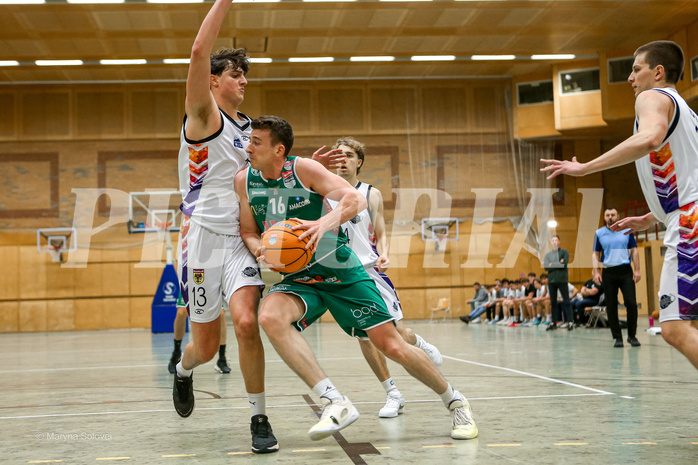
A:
{"points": [[394, 349], [206, 351], [246, 326], [271, 319], [672, 334]]}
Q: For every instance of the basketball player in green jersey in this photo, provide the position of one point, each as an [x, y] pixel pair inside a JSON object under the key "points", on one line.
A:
{"points": [[278, 187]]}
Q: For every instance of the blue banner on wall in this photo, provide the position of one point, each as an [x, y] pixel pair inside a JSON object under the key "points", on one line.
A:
{"points": [[164, 308]]}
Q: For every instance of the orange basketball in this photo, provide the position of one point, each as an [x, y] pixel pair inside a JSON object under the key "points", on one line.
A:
{"points": [[655, 314], [285, 252]]}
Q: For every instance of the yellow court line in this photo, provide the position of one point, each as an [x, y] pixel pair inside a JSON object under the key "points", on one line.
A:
{"points": [[639, 443], [503, 445], [179, 455], [694, 443], [309, 450], [437, 447], [52, 461], [571, 443], [239, 453], [381, 448], [113, 458]]}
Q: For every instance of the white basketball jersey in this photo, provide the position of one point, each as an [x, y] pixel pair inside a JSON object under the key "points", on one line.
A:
{"points": [[669, 176], [206, 171], [360, 231]]}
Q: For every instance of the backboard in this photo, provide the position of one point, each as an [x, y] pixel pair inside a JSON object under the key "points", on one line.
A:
{"points": [[154, 211]]}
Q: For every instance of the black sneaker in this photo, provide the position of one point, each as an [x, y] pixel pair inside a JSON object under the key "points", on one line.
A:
{"points": [[570, 327], [174, 360], [634, 342], [183, 395], [551, 327], [263, 440], [222, 366], [619, 343], [465, 319]]}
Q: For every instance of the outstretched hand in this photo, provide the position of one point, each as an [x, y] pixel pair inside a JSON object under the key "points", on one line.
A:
{"points": [[557, 167], [633, 224], [331, 160]]}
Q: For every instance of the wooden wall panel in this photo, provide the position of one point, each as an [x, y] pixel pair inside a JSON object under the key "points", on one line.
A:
{"points": [[534, 121], [32, 316], [8, 116], [393, 109], [116, 313], [139, 312], [88, 314], [9, 317], [488, 110], [60, 282], [295, 107], [32, 273], [100, 114], [9, 280], [156, 112], [60, 315], [444, 108], [46, 115], [341, 110]]}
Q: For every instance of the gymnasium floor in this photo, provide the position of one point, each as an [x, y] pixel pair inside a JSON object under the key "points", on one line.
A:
{"points": [[95, 397]]}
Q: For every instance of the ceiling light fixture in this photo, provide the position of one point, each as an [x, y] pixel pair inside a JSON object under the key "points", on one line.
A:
{"points": [[9, 63], [311, 59], [260, 60], [176, 61], [554, 56], [58, 62], [493, 57], [21, 2], [433, 58], [139, 61], [383, 58]]}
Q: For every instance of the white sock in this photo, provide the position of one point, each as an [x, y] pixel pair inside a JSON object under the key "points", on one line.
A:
{"points": [[258, 403], [548, 318], [326, 389], [388, 385], [450, 394], [182, 372]]}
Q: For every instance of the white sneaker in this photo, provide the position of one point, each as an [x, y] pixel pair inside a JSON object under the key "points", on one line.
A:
{"points": [[336, 416], [476, 320], [462, 423], [394, 406], [430, 350], [504, 322]]}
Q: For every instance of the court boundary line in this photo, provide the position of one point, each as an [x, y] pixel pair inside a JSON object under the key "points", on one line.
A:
{"points": [[559, 381]]}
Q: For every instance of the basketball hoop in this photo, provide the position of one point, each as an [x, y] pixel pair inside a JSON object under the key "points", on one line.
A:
{"points": [[441, 240], [56, 254]]}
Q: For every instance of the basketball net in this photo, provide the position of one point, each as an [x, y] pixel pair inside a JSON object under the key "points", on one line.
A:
{"points": [[56, 254], [441, 240]]}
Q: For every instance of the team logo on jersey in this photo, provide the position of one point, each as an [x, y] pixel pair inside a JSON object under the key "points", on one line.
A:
{"points": [[665, 301], [237, 142], [250, 271], [198, 276], [272, 239], [288, 165], [254, 172], [289, 179], [256, 184], [259, 210], [356, 219]]}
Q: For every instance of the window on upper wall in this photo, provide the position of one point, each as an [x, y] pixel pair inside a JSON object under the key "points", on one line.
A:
{"points": [[694, 68], [619, 69], [579, 80], [530, 93]]}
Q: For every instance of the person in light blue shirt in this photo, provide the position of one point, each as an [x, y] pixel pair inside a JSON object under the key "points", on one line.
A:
{"points": [[615, 250]]}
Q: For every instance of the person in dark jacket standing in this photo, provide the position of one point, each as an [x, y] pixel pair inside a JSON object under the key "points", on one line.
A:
{"points": [[555, 264], [615, 250]]}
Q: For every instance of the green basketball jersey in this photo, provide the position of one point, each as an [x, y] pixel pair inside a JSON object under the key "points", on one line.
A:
{"points": [[280, 199]]}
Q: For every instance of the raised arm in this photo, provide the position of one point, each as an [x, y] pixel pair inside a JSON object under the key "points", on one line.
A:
{"points": [[200, 106], [654, 111], [350, 201]]}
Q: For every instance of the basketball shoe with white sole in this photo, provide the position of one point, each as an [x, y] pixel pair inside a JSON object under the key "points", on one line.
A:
{"points": [[462, 423], [430, 350], [394, 406], [336, 415]]}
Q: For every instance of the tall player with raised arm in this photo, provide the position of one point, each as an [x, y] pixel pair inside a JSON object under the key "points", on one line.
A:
{"points": [[664, 147]]}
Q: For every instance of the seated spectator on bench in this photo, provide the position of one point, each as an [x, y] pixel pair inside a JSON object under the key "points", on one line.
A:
{"points": [[477, 303], [590, 295]]}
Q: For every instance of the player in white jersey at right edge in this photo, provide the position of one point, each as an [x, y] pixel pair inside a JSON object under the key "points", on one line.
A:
{"points": [[665, 150], [369, 241]]}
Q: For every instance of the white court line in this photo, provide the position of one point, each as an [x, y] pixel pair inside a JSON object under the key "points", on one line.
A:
{"points": [[532, 375], [274, 406]]}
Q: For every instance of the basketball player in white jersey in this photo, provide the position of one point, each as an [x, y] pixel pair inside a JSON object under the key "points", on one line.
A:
{"points": [[368, 239], [664, 147], [215, 266]]}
